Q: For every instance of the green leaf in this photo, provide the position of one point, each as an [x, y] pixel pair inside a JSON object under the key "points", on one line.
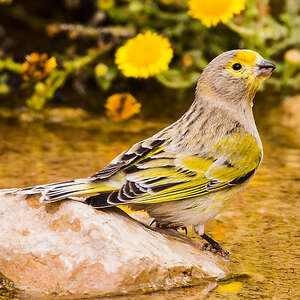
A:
{"points": [[177, 79]]}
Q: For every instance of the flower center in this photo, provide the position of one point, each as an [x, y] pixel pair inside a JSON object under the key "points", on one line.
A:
{"points": [[143, 53]]}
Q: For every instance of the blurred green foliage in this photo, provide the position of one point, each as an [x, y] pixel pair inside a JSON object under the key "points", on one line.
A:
{"points": [[84, 35]]}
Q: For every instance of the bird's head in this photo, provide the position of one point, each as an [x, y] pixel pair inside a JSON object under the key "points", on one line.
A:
{"points": [[234, 76]]}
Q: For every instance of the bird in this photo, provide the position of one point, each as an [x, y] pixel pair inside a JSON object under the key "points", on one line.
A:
{"points": [[185, 174]]}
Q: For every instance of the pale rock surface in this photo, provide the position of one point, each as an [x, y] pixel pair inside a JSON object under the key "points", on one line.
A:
{"points": [[69, 249]]}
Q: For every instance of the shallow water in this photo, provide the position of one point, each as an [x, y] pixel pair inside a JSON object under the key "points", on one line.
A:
{"points": [[260, 228]]}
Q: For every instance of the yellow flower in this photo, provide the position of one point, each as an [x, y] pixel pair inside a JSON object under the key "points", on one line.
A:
{"points": [[145, 55], [37, 66], [120, 107], [211, 12], [50, 65]]}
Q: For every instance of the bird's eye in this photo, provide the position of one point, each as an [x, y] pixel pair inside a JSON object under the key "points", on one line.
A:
{"points": [[236, 66]]}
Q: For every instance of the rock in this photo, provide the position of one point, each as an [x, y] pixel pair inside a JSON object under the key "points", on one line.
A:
{"points": [[291, 107], [70, 249]]}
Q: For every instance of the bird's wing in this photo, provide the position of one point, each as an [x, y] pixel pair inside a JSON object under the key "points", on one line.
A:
{"points": [[106, 180], [130, 157], [161, 176]]}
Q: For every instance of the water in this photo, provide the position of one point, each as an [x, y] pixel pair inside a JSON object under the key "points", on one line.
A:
{"points": [[260, 228]]}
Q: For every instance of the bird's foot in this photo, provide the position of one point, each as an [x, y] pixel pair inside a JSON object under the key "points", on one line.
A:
{"points": [[184, 229], [216, 249], [214, 246], [153, 222], [157, 225]]}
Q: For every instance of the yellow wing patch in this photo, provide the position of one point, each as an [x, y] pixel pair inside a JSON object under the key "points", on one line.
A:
{"points": [[233, 161], [196, 163]]}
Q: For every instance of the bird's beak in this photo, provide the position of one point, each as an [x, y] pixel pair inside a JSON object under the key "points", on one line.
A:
{"points": [[265, 68]]}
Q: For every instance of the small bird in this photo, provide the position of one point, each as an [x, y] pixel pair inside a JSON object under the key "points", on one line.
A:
{"points": [[185, 174]]}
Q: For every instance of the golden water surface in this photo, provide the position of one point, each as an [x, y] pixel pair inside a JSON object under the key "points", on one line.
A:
{"points": [[260, 228]]}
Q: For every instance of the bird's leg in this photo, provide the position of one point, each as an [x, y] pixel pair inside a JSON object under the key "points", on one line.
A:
{"points": [[211, 244]]}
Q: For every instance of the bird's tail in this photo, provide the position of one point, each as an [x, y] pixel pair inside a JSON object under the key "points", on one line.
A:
{"points": [[58, 191]]}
